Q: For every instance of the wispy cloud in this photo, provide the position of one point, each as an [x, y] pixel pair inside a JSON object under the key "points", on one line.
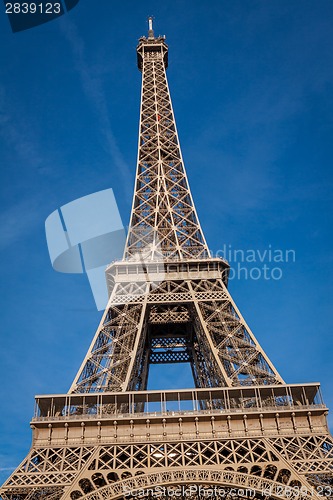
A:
{"points": [[250, 140], [6, 470], [93, 89], [18, 221], [22, 212], [19, 134]]}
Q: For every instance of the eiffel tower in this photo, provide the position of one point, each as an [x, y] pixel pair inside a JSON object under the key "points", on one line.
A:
{"points": [[241, 432]]}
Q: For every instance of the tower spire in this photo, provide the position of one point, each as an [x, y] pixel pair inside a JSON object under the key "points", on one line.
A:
{"points": [[150, 28]]}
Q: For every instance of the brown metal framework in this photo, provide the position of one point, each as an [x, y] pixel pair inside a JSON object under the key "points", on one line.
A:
{"points": [[242, 432]]}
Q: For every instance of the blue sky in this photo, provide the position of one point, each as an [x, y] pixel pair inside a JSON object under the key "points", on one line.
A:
{"points": [[251, 83]]}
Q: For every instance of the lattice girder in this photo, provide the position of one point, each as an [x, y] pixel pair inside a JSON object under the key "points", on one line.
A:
{"points": [[97, 467], [231, 355], [163, 212]]}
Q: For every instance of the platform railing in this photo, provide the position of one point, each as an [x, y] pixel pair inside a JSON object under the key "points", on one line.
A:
{"points": [[261, 399]]}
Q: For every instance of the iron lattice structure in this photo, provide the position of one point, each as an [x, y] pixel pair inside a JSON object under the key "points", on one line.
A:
{"points": [[241, 432]]}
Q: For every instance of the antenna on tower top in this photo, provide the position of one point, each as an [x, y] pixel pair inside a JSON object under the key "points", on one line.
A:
{"points": [[150, 27]]}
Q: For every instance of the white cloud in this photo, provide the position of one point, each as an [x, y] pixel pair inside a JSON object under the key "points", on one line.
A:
{"points": [[18, 221], [93, 89]]}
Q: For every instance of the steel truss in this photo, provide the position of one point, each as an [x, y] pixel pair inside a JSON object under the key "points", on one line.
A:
{"points": [[241, 428]]}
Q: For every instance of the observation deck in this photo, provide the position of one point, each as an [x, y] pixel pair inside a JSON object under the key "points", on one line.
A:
{"points": [[179, 414]]}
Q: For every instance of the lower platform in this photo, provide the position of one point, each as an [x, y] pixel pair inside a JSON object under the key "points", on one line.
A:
{"points": [[272, 441]]}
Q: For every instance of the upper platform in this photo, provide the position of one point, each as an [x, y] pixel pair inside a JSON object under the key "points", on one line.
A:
{"points": [[151, 45]]}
